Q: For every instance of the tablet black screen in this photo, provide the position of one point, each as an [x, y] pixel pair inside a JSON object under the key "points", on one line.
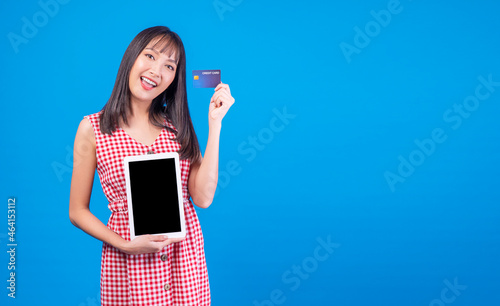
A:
{"points": [[154, 195]]}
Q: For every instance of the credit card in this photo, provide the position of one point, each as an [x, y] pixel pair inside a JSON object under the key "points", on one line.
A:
{"points": [[206, 78]]}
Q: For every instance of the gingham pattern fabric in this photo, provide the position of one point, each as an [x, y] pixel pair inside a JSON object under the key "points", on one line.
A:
{"points": [[180, 277]]}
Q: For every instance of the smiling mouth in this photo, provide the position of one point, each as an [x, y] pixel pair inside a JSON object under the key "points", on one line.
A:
{"points": [[148, 83]]}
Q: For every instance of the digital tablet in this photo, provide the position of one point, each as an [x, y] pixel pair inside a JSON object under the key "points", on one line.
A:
{"points": [[154, 195]]}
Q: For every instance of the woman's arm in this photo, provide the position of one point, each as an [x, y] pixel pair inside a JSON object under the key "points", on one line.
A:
{"points": [[203, 175], [84, 165]]}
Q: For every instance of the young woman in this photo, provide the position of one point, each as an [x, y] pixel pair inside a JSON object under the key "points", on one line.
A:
{"points": [[148, 112]]}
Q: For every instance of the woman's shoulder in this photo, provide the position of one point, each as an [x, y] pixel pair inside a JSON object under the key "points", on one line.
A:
{"points": [[85, 130], [94, 116], [94, 119], [91, 123]]}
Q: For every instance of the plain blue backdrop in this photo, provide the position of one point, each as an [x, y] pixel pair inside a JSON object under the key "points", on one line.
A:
{"points": [[359, 164]]}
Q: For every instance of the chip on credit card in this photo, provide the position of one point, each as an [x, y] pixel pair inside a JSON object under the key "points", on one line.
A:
{"points": [[206, 78]]}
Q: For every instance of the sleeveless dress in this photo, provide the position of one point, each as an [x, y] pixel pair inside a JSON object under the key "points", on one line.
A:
{"points": [[175, 276]]}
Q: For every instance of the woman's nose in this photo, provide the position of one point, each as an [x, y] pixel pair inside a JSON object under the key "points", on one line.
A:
{"points": [[153, 73], [155, 70]]}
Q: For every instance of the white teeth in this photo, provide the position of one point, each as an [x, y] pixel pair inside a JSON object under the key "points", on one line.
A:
{"points": [[148, 81]]}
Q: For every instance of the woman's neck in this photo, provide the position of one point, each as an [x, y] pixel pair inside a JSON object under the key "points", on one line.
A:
{"points": [[139, 112]]}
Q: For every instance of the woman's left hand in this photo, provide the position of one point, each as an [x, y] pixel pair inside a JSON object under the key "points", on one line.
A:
{"points": [[219, 104]]}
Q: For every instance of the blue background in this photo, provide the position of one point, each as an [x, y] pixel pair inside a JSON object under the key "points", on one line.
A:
{"points": [[318, 176]]}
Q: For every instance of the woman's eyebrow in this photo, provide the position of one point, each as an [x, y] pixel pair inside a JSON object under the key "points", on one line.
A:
{"points": [[157, 52], [171, 60]]}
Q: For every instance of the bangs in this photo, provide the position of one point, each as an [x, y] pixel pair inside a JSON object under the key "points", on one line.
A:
{"points": [[167, 45]]}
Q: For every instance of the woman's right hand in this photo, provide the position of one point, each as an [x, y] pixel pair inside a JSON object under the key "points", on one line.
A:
{"points": [[147, 244]]}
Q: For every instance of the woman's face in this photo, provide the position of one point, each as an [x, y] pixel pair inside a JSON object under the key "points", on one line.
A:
{"points": [[151, 74]]}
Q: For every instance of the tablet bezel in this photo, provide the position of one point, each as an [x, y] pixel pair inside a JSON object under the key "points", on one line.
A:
{"points": [[147, 157]]}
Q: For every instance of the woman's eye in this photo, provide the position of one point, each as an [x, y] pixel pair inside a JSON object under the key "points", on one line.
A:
{"points": [[150, 56], [170, 67]]}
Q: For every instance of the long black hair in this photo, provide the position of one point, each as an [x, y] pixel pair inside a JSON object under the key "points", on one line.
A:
{"points": [[174, 97]]}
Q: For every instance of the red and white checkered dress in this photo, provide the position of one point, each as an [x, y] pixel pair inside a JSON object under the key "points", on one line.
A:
{"points": [[175, 276]]}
